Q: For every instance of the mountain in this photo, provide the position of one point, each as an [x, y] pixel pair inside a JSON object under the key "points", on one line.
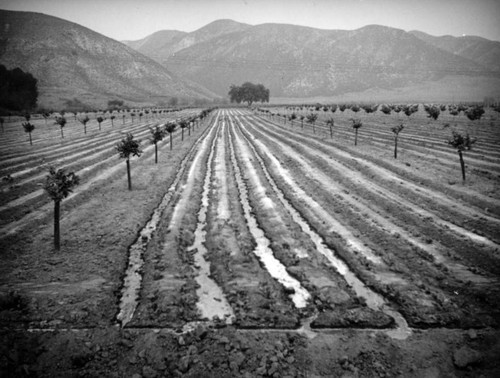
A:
{"points": [[71, 61], [298, 61], [163, 44], [480, 50]]}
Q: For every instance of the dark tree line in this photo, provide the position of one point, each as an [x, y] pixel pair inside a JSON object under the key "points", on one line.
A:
{"points": [[18, 89], [248, 93]]}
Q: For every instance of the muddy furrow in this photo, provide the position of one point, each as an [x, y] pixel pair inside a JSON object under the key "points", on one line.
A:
{"points": [[382, 220], [423, 291], [298, 295], [257, 299], [389, 192], [133, 277], [372, 299], [211, 300], [168, 289], [479, 200]]}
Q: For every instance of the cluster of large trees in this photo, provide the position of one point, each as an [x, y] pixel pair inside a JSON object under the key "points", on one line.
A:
{"points": [[248, 93], [18, 89]]}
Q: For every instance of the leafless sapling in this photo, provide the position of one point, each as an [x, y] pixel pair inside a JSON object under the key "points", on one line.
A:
{"points": [[396, 130]]}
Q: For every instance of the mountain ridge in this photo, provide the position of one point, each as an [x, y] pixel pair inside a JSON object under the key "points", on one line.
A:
{"points": [[72, 61], [301, 61]]}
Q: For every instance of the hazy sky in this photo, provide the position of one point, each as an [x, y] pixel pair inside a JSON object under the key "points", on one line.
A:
{"points": [[135, 19]]}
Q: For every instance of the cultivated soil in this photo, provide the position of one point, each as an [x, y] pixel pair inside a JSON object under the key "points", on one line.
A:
{"points": [[255, 247]]}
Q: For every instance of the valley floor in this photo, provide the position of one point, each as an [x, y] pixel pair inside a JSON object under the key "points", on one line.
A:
{"points": [[255, 247]]}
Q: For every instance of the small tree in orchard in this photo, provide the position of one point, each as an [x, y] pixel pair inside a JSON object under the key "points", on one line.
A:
{"points": [[59, 185], [330, 124], [433, 111], [461, 143], [61, 121], [112, 119], [302, 121], [157, 135], [132, 115], [28, 128], [183, 124], [311, 118], [386, 109], [170, 128], [84, 122], [396, 130], [140, 116], [356, 124], [474, 113], [128, 147], [99, 121], [45, 116]]}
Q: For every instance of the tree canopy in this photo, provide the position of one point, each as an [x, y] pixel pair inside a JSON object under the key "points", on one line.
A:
{"points": [[18, 90], [248, 93]]}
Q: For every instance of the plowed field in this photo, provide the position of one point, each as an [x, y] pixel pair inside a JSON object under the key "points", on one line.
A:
{"points": [[255, 247]]}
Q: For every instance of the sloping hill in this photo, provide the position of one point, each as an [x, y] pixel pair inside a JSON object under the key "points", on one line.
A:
{"points": [[296, 61], [165, 43], [72, 61], [480, 50]]}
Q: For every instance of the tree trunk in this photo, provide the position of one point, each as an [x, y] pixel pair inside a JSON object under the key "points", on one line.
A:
{"points": [[112, 124], [31, 143], [99, 126], [84, 128], [462, 164], [156, 153], [314, 129], [355, 137], [331, 132], [189, 130], [128, 175], [62, 134], [182, 134], [170, 134], [395, 147], [57, 235]]}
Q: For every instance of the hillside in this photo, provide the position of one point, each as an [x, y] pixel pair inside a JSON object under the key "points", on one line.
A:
{"points": [[71, 61], [297, 61], [484, 52]]}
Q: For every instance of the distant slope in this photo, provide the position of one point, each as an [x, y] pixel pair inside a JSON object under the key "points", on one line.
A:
{"points": [[72, 61], [296, 61], [163, 44], [480, 50]]}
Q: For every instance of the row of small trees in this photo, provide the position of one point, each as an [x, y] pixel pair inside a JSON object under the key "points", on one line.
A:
{"points": [[460, 141], [60, 184]]}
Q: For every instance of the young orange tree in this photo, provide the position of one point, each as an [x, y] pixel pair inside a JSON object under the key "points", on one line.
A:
{"points": [[157, 135], [128, 147], [170, 128], [61, 121], [356, 125], [59, 185], [396, 130], [461, 143], [28, 128], [84, 121]]}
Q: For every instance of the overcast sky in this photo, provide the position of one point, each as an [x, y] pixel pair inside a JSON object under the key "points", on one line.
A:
{"points": [[136, 19]]}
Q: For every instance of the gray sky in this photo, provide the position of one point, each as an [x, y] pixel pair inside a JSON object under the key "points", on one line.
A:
{"points": [[136, 19]]}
